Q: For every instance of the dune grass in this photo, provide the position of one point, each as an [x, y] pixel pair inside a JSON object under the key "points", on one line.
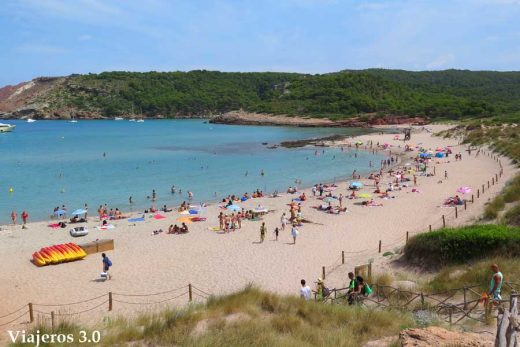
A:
{"points": [[252, 317], [460, 245], [479, 272]]}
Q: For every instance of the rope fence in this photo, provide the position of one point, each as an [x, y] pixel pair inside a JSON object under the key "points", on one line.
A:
{"points": [[29, 310]]}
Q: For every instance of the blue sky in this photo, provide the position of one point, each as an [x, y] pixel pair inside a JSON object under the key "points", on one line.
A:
{"points": [[53, 37]]}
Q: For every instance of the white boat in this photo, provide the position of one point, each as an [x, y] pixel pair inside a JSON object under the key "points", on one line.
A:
{"points": [[78, 231], [132, 120], [73, 121], [30, 120], [4, 128], [140, 121], [118, 118]]}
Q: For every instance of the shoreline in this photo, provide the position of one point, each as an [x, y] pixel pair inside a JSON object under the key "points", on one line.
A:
{"points": [[221, 263]]}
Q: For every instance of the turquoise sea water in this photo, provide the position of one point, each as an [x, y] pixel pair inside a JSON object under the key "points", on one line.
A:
{"points": [[50, 163]]}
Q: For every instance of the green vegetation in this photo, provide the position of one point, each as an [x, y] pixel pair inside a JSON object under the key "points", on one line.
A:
{"points": [[504, 139], [449, 94], [254, 318], [461, 245], [459, 276]]}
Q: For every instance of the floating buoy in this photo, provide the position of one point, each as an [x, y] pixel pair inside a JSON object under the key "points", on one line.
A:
{"points": [[11, 190]]}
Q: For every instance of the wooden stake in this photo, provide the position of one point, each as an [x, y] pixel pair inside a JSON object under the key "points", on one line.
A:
{"points": [[465, 205], [407, 237], [488, 184], [110, 301], [379, 246], [465, 303], [370, 272], [443, 221], [492, 180], [482, 189], [430, 228], [496, 178], [342, 257], [456, 212], [31, 313], [52, 320], [478, 193], [190, 293], [472, 198], [450, 310], [323, 272]]}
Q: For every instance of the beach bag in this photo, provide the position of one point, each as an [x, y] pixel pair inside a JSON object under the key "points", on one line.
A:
{"points": [[326, 292], [367, 290]]}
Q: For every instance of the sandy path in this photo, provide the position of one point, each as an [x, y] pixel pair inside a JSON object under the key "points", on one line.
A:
{"points": [[219, 263]]}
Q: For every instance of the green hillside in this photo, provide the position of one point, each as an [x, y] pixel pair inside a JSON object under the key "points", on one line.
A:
{"points": [[450, 94]]}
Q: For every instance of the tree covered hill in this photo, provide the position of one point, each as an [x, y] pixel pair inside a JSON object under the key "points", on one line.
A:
{"points": [[451, 94]]}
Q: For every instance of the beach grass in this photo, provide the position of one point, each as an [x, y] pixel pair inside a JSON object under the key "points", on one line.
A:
{"points": [[252, 317]]}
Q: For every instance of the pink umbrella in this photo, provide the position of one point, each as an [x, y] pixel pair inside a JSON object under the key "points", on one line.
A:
{"points": [[464, 190]]}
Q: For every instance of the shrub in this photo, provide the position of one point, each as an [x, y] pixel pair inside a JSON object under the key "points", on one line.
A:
{"points": [[451, 246]]}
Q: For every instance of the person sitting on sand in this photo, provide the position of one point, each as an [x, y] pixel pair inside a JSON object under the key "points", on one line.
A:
{"points": [[303, 197], [353, 195], [170, 229], [372, 203], [157, 232], [166, 209], [184, 228]]}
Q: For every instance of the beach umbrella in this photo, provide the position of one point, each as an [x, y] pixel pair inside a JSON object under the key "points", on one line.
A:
{"points": [[330, 199], [355, 185], [438, 149], [439, 155], [260, 209], [365, 195], [186, 220], [60, 212], [464, 190], [78, 212], [235, 208]]}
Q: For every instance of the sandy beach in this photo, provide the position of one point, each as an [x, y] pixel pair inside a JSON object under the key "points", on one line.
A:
{"points": [[219, 263]]}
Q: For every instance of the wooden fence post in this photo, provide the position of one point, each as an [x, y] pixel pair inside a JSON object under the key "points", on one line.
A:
{"points": [[379, 246], [370, 272], [52, 320], [456, 212], [465, 302], [465, 205], [450, 312], [472, 198], [342, 257], [478, 193], [434, 170], [110, 301], [493, 180], [422, 300], [407, 237], [488, 185], [496, 178], [31, 313], [482, 189], [190, 293], [323, 272], [430, 227], [443, 221]]}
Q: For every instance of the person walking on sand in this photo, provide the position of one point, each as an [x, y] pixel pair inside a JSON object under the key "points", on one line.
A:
{"points": [[495, 285], [283, 220], [106, 265], [294, 233], [305, 291], [445, 174], [262, 232], [13, 217], [276, 232], [414, 180], [221, 220], [154, 195], [25, 216]]}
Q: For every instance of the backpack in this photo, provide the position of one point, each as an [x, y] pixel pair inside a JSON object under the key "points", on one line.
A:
{"points": [[326, 292], [109, 262], [367, 290]]}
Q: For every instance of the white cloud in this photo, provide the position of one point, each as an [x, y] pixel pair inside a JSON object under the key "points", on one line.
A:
{"points": [[84, 38], [441, 62], [39, 48]]}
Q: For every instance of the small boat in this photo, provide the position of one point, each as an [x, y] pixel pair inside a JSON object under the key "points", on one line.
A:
{"points": [[140, 121], [132, 120], [30, 120], [4, 128], [118, 118], [73, 121], [78, 231]]}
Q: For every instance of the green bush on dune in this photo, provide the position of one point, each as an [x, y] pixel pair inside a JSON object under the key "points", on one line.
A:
{"points": [[459, 245]]}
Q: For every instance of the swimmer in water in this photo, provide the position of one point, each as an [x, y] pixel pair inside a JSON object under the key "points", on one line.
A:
{"points": [[130, 200]]}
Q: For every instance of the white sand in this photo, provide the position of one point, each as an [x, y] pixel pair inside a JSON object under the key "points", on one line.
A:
{"points": [[220, 263]]}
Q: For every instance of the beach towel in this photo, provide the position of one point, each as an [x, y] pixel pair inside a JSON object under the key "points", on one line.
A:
{"points": [[184, 212], [139, 219], [158, 216], [297, 200], [54, 225], [106, 227], [243, 198], [214, 228], [198, 219], [193, 212]]}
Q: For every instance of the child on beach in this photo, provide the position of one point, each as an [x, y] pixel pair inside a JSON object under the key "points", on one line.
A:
{"points": [[276, 232], [106, 265], [262, 232], [294, 233], [283, 220], [13, 217]]}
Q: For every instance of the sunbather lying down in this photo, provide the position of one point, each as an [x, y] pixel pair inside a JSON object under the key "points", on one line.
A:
{"points": [[371, 203], [454, 201]]}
